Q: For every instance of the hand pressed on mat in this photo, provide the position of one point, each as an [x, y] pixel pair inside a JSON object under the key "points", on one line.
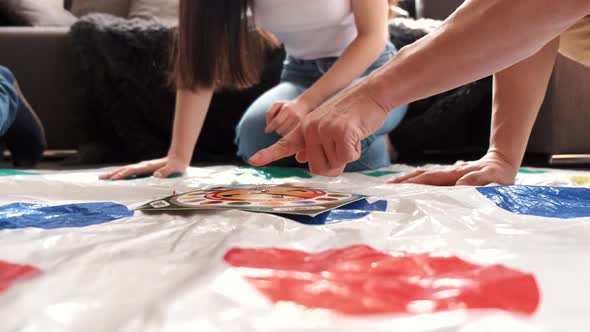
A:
{"points": [[161, 168], [492, 168]]}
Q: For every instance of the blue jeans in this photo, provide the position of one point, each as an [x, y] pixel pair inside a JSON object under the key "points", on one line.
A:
{"points": [[297, 76], [8, 100]]}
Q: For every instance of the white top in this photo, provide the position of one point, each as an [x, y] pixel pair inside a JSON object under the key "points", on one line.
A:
{"points": [[309, 29]]}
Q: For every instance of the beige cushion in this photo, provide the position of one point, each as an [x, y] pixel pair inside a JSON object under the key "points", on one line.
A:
{"points": [[165, 11], [575, 42], [41, 13], [114, 7]]}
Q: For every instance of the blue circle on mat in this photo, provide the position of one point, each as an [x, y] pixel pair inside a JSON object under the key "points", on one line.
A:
{"points": [[25, 215], [552, 202], [349, 212]]}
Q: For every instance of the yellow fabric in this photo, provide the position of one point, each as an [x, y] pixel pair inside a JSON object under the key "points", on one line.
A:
{"points": [[575, 42]]}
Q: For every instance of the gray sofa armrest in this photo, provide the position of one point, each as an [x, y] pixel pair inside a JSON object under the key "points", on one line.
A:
{"points": [[41, 61]]}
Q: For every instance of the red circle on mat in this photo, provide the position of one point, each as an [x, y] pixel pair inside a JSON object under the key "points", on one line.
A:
{"points": [[10, 273], [360, 280]]}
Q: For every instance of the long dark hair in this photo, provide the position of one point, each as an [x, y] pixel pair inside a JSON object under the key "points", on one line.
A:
{"points": [[217, 45]]}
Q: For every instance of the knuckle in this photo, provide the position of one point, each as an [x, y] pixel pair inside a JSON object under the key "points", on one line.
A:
{"points": [[314, 126], [282, 143]]}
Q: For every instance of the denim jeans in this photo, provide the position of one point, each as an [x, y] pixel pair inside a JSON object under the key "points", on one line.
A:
{"points": [[297, 76], [8, 100]]}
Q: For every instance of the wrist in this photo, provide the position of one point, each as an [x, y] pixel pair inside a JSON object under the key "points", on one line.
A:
{"points": [[371, 90], [505, 156], [182, 158], [306, 103], [384, 87]]}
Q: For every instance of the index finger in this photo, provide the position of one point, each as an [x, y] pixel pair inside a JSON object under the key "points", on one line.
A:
{"points": [[286, 147]]}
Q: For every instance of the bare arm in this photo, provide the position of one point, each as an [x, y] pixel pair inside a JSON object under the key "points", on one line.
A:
{"points": [[482, 38], [518, 94], [191, 110], [371, 21]]}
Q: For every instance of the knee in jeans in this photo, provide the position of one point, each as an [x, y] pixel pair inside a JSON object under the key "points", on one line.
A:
{"points": [[250, 135], [7, 74]]}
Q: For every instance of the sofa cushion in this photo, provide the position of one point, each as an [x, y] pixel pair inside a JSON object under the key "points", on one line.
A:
{"points": [[436, 9], [46, 13], [165, 11], [118, 8]]}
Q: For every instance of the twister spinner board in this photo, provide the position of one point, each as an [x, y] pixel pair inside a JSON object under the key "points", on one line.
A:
{"points": [[276, 199]]}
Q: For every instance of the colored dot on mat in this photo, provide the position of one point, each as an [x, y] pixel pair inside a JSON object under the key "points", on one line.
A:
{"points": [[14, 172], [531, 171], [212, 203], [174, 176], [396, 286], [326, 199], [270, 173], [581, 180], [378, 174], [12, 273], [26, 215], [239, 203], [338, 195]]}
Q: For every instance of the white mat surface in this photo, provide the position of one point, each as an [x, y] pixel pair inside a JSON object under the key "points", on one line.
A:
{"points": [[166, 272]]}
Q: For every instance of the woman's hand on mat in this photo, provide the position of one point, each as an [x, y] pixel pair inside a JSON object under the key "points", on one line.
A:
{"points": [[330, 137], [284, 116], [492, 168], [161, 168]]}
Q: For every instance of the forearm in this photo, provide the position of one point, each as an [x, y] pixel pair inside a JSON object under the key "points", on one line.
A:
{"points": [[351, 65], [482, 38], [191, 110], [519, 92], [371, 23]]}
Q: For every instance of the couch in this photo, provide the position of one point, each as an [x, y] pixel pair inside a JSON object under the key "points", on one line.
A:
{"points": [[41, 60]]}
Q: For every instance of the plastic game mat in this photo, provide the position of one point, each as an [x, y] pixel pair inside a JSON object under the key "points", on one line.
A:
{"points": [[75, 256]]}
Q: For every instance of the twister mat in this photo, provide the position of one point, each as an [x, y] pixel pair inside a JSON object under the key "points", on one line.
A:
{"points": [[75, 256]]}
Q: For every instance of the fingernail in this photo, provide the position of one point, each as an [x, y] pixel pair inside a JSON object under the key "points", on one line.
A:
{"points": [[158, 174]]}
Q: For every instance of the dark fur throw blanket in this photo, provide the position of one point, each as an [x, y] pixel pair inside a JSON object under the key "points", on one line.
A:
{"points": [[457, 121], [122, 82], [124, 86]]}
